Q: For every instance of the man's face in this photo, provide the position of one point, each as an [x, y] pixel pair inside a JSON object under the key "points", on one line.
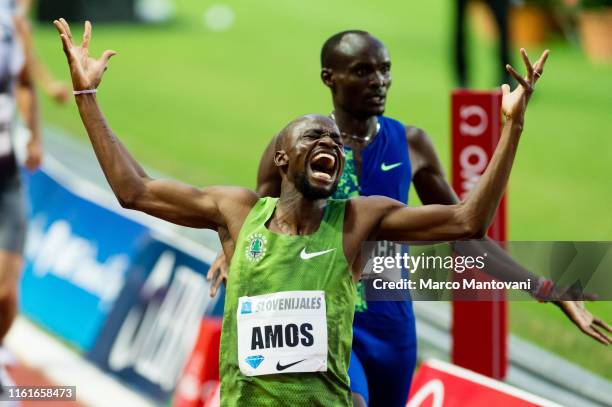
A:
{"points": [[361, 76], [315, 157]]}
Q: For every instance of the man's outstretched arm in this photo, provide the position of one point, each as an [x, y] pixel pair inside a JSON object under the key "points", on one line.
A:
{"points": [[431, 186], [166, 199], [470, 218]]}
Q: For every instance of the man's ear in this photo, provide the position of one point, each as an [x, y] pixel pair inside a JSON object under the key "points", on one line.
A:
{"points": [[281, 158], [328, 78]]}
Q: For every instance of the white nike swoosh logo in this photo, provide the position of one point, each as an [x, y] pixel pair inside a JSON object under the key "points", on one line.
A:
{"points": [[389, 167], [307, 256]]}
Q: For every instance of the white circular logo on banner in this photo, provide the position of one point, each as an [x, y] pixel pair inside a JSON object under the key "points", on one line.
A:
{"points": [[433, 388]]}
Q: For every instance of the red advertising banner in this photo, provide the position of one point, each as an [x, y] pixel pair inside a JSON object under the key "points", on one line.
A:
{"points": [[199, 385], [439, 384], [479, 328]]}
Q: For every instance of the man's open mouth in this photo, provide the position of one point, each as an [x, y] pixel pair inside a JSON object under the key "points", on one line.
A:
{"points": [[323, 166]]}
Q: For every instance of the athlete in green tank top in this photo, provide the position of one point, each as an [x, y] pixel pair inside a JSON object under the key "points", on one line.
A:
{"points": [[289, 306], [266, 262]]}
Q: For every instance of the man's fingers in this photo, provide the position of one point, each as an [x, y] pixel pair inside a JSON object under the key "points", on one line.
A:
{"points": [[65, 43], [86, 35], [539, 65], [106, 55], [517, 77], [66, 27], [214, 288], [595, 335], [527, 63], [602, 324], [505, 88], [211, 273], [605, 339], [58, 26]]}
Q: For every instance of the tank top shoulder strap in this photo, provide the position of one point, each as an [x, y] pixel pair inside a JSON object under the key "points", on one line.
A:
{"points": [[396, 130], [258, 216], [332, 226]]}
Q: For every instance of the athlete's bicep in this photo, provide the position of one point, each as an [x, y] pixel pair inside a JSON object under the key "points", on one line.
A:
{"points": [[190, 206], [425, 223], [268, 177]]}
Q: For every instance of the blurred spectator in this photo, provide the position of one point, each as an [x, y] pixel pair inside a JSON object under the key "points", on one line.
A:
{"points": [[500, 9], [16, 90], [55, 89]]}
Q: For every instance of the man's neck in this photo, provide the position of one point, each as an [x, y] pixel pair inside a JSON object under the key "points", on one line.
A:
{"points": [[296, 215], [355, 127]]}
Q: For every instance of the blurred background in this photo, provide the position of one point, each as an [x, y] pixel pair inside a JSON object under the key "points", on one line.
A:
{"points": [[198, 88]]}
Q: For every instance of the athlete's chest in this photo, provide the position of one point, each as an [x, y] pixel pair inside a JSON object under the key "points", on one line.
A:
{"points": [[381, 168], [269, 262]]}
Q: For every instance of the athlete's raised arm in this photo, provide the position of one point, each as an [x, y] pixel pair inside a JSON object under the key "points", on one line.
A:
{"points": [[166, 199], [470, 218]]}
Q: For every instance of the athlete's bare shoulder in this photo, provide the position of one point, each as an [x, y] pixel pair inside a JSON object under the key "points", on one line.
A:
{"points": [[234, 204], [416, 136], [234, 199]]}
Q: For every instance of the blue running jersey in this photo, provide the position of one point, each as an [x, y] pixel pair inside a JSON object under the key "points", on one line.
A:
{"points": [[384, 332], [385, 170]]}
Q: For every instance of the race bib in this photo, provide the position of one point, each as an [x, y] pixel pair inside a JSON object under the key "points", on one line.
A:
{"points": [[284, 332]]}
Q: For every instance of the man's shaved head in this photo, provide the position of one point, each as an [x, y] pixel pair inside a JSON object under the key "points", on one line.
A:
{"points": [[356, 67], [287, 136], [344, 44]]}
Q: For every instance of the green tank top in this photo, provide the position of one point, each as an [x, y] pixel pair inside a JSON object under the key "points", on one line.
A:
{"points": [[266, 262]]}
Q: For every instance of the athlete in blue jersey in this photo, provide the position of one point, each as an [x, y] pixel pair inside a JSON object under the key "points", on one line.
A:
{"points": [[383, 157], [384, 332]]}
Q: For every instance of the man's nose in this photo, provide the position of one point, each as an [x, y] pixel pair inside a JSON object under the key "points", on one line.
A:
{"points": [[327, 141], [379, 79]]}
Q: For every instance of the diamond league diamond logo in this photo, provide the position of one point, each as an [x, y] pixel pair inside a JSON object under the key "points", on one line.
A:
{"points": [[254, 361]]}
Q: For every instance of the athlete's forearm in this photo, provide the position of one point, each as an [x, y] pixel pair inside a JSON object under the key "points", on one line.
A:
{"points": [[27, 103], [125, 176], [480, 205], [499, 264], [433, 188]]}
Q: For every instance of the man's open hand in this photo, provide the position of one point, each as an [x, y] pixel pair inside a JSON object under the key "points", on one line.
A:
{"points": [[514, 103], [86, 72], [585, 321], [217, 274]]}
